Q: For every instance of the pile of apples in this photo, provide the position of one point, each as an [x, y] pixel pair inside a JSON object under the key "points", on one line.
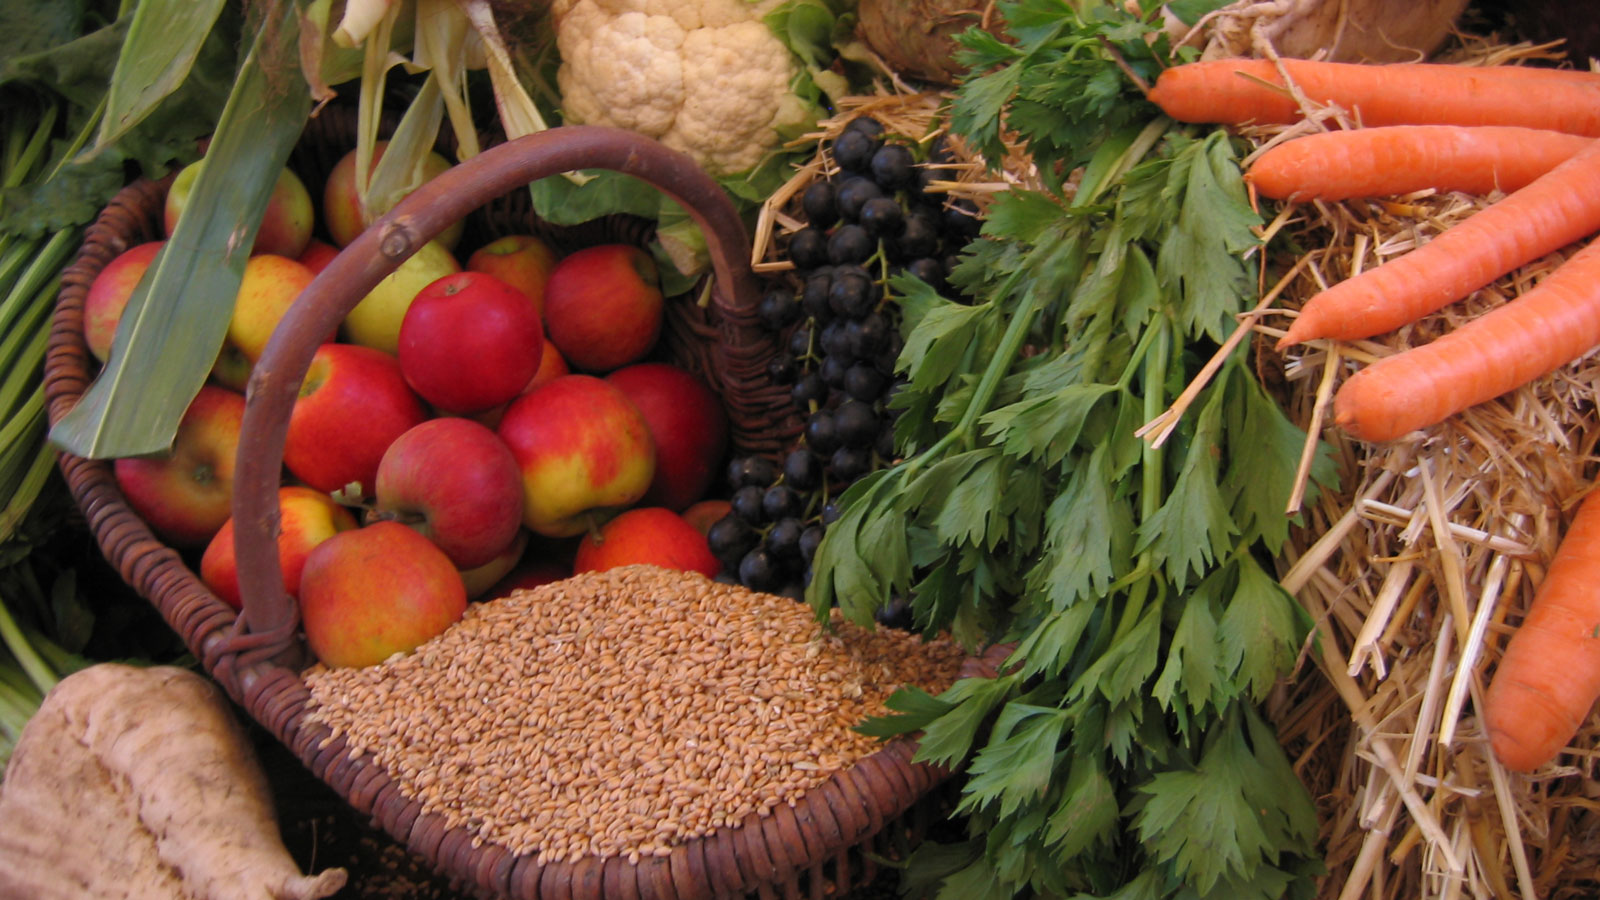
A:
{"points": [[481, 421]]}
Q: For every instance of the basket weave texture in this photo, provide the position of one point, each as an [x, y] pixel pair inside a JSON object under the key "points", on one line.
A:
{"points": [[820, 847]]}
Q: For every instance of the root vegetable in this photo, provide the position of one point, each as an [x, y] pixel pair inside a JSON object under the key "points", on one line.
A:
{"points": [[1557, 209], [1551, 325], [1399, 159], [918, 38], [1549, 676], [1374, 31], [1240, 91], [139, 783]]}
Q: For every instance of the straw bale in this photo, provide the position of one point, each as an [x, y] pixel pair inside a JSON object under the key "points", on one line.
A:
{"points": [[1415, 571]]}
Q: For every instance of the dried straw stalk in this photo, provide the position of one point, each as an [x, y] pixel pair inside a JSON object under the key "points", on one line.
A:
{"points": [[1415, 571]]}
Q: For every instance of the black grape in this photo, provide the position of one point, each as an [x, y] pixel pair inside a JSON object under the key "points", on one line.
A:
{"points": [[802, 470], [883, 217], [818, 202], [853, 193], [756, 470], [808, 248], [757, 570], [851, 243], [746, 503], [856, 423], [853, 150], [778, 309]]}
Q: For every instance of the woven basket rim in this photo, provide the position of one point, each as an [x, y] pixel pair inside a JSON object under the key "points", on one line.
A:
{"points": [[758, 855]]}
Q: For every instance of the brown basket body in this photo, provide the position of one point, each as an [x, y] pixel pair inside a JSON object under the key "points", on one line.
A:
{"points": [[820, 847]]}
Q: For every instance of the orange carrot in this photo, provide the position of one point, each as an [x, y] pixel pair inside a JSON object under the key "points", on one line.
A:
{"points": [[1549, 676], [1556, 209], [1399, 159], [1230, 91], [1549, 326]]}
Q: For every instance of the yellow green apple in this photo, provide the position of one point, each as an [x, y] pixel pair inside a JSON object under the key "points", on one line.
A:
{"points": [[270, 285], [285, 226], [375, 321]]}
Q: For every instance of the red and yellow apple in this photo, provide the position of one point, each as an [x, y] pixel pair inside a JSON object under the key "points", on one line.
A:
{"points": [[108, 295], [375, 320], [470, 342], [352, 404], [270, 285], [455, 482], [705, 513], [317, 255], [285, 226], [306, 518], [648, 536], [687, 424], [369, 593], [342, 211], [584, 451], [186, 494], [479, 580], [520, 260], [603, 306], [551, 367]]}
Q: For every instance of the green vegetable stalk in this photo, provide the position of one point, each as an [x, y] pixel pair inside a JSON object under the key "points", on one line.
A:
{"points": [[1121, 752]]}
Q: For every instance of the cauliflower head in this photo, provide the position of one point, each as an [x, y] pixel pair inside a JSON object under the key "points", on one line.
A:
{"points": [[704, 77]]}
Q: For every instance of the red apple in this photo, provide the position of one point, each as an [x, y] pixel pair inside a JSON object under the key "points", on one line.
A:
{"points": [[603, 306], [470, 342], [705, 513], [479, 580], [551, 367], [186, 494], [306, 518], [353, 403], [375, 321], [520, 260], [455, 482], [341, 203], [584, 450], [648, 536], [528, 575], [285, 227], [688, 425], [317, 255], [369, 593], [108, 295]]}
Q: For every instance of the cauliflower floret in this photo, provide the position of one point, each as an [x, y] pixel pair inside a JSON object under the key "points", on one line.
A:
{"points": [[705, 77]]}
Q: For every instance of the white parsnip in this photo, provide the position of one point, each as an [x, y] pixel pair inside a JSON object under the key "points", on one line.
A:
{"points": [[140, 783]]}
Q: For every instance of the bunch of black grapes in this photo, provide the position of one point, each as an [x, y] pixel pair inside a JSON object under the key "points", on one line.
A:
{"points": [[839, 325]]}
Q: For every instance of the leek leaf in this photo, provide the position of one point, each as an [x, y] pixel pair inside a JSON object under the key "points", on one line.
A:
{"points": [[174, 324], [164, 38]]}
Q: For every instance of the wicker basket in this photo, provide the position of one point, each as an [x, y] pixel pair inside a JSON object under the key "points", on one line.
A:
{"points": [[821, 847]]}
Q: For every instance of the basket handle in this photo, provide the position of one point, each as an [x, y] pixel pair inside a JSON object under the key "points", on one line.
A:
{"points": [[266, 627]]}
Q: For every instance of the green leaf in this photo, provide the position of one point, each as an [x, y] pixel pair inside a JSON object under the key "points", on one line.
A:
{"points": [[977, 109], [977, 881], [1080, 558], [173, 325], [973, 508], [1044, 428], [845, 576], [1121, 672], [1264, 460], [1201, 821], [1193, 674], [948, 739], [915, 708], [936, 346], [31, 27], [1051, 645], [1015, 764], [1202, 253], [1088, 812], [1259, 632], [163, 41], [1192, 527]]}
